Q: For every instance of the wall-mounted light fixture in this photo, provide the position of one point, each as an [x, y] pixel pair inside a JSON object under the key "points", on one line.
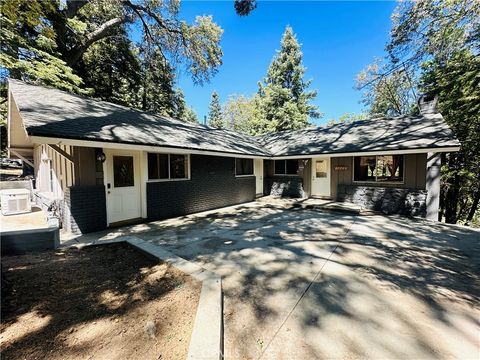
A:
{"points": [[101, 156]]}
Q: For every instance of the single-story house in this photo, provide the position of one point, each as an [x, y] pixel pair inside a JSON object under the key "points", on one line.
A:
{"points": [[105, 164]]}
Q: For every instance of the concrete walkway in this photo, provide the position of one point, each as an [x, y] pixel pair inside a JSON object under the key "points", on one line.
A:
{"points": [[303, 283]]}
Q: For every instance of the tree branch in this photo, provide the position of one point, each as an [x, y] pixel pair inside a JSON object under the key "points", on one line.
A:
{"points": [[153, 15], [101, 32]]}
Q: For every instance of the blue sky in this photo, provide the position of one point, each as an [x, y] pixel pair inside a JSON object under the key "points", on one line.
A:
{"points": [[338, 40]]}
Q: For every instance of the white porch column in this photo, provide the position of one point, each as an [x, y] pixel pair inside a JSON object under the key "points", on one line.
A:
{"points": [[433, 185]]}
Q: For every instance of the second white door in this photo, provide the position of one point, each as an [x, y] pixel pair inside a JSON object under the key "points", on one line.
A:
{"points": [[321, 177]]}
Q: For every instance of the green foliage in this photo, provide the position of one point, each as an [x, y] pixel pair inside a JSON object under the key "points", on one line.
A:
{"points": [[347, 118], [215, 117], [387, 93], [28, 48], [3, 102], [52, 43], [433, 48], [201, 49], [113, 70], [157, 83], [245, 7], [182, 112], [243, 115], [285, 100], [457, 83], [428, 29], [189, 116]]}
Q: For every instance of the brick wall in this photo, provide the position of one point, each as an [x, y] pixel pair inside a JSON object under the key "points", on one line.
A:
{"points": [[212, 185], [85, 209]]}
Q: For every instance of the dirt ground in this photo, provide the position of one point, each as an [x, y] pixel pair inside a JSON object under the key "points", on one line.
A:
{"points": [[100, 302]]}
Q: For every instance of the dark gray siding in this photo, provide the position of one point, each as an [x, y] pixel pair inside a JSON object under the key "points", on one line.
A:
{"points": [[407, 198], [88, 171], [212, 184], [86, 209], [414, 177]]}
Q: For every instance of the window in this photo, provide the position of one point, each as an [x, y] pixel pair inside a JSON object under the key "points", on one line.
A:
{"points": [[178, 166], [243, 167], [167, 166], [321, 168], [382, 168], [123, 171], [287, 167], [157, 166]]}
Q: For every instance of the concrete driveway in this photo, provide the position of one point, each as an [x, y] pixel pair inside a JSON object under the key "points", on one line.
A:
{"points": [[303, 283]]}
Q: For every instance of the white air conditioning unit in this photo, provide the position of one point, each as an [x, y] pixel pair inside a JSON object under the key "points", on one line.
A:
{"points": [[15, 201]]}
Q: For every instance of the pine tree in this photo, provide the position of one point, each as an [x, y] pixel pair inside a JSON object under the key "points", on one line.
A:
{"points": [[182, 111], [28, 49], [215, 117], [158, 80], [284, 94]]}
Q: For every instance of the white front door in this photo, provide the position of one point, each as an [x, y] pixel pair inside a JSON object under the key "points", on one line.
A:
{"points": [[258, 170], [321, 177], [122, 180]]}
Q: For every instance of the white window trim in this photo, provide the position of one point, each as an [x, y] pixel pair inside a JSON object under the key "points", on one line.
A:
{"points": [[247, 175], [377, 182], [170, 179], [285, 174]]}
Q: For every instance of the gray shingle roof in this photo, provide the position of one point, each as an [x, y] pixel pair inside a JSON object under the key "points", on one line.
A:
{"points": [[399, 133], [54, 113]]}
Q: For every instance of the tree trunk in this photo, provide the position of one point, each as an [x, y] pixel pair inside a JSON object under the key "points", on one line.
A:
{"points": [[101, 32], [474, 207]]}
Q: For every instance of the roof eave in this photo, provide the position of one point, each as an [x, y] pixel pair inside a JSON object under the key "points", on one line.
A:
{"points": [[40, 139], [425, 150]]}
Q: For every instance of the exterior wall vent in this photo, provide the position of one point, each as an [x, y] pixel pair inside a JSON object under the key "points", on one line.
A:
{"points": [[15, 201]]}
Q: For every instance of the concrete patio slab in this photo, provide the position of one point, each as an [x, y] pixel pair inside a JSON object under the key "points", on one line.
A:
{"points": [[301, 283]]}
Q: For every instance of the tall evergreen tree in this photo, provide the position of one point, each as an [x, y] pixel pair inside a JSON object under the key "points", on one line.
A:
{"points": [[182, 111], [28, 47], [112, 69], [284, 92], [215, 117], [158, 81]]}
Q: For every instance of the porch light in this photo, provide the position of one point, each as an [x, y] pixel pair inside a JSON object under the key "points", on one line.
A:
{"points": [[101, 157]]}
